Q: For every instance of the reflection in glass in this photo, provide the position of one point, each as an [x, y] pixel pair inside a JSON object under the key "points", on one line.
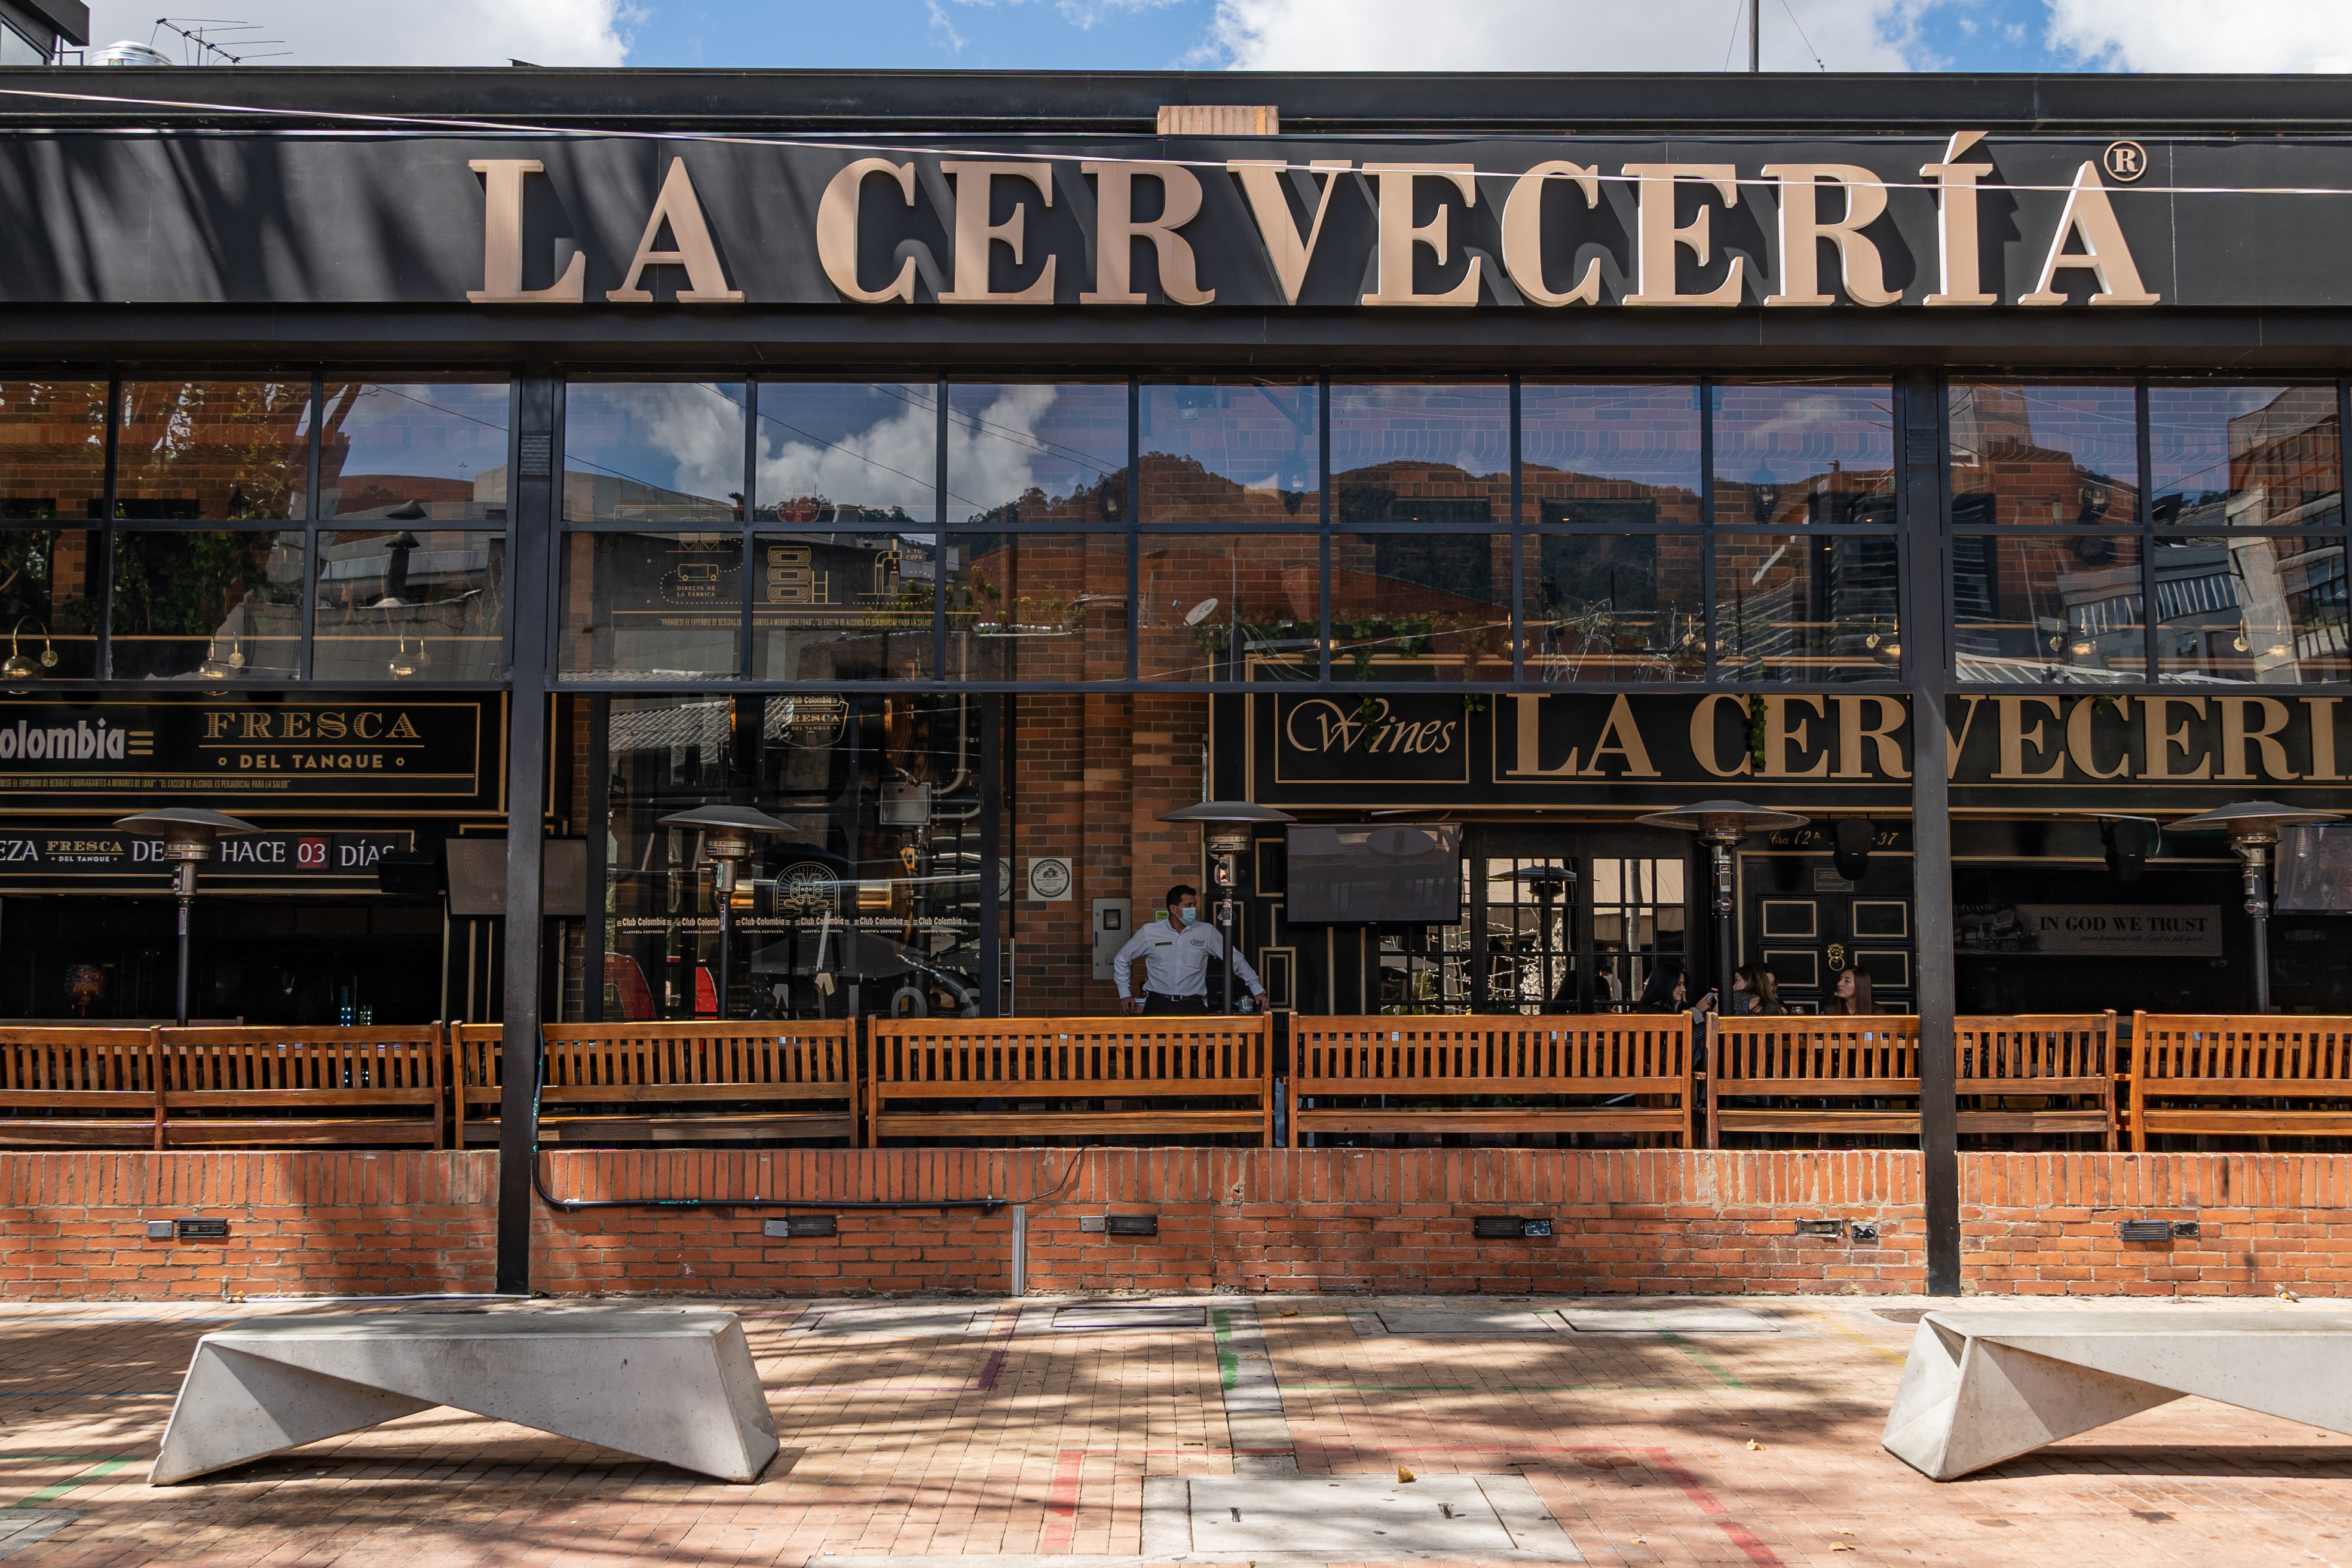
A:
{"points": [[1793, 454], [1614, 456], [843, 605], [1637, 926], [1616, 606], [1037, 452], [1229, 607], [1038, 607], [1412, 452], [2054, 607], [658, 605], [212, 450], [52, 449], [652, 451], [2267, 609], [1530, 958], [397, 603], [2246, 456], [869, 904], [1800, 606], [848, 452], [45, 611], [1229, 452], [193, 604], [2030, 452], [1421, 606], [413, 450]]}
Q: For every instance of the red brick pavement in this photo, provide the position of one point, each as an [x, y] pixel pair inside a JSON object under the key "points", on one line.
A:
{"points": [[1037, 1440]]}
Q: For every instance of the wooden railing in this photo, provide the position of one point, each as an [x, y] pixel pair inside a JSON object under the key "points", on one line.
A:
{"points": [[2183, 1064], [78, 1088], [673, 1082], [1121, 1072], [225, 1088], [1441, 1074], [2007, 1065]]}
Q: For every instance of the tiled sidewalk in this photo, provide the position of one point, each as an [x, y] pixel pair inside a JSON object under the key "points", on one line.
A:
{"points": [[974, 1428]]}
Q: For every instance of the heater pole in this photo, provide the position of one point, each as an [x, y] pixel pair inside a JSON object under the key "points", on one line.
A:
{"points": [[184, 888]]}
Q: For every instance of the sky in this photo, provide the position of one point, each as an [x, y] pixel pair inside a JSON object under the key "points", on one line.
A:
{"points": [[2298, 36]]}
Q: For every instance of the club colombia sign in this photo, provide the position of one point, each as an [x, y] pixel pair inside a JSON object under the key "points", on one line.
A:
{"points": [[1601, 751]]}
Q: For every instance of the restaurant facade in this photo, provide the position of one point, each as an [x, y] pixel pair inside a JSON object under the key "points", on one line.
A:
{"points": [[448, 470]]}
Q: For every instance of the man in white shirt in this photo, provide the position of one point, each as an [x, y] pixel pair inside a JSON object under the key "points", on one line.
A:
{"points": [[1176, 952]]}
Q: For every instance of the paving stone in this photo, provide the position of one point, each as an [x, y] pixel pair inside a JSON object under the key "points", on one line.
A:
{"points": [[1455, 1323], [910, 1321], [1668, 1321]]}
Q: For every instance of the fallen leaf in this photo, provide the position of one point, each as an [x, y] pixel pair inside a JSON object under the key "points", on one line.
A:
{"points": [[1292, 1313], [1754, 1444], [1841, 1546], [1403, 1474]]}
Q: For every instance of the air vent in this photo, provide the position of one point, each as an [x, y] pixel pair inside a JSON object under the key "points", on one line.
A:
{"points": [[1219, 119]]}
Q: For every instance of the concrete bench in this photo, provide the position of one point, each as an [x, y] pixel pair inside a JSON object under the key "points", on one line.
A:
{"points": [[1984, 1386], [676, 1386]]}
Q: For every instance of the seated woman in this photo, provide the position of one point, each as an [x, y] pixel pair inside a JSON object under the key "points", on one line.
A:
{"points": [[1852, 997], [1755, 994]]}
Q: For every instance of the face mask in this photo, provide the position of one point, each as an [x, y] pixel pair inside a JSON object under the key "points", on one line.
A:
{"points": [[1190, 915]]}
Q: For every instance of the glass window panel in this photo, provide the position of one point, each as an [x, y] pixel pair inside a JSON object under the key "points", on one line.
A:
{"points": [[2246, 456], [212, 450], [403, 604], [2055, 608], [1229, 607], [1038, 607], [853, 606], [1795, 453], [848, 452], [654, 452], [199, 604], [1616, 606], [659, 605], [44, 604], [2031, 452], [1421, 606], [413, 450], [1609, 455], [52, 449], [1426, 453], [1231, 452], [2249, 607], [1036, 452], [1797, 606]]}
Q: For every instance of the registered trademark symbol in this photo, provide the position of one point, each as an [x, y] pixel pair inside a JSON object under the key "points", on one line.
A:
{"points": [[2126, 160]]}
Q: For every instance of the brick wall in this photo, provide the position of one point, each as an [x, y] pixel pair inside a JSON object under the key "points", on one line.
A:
{"points": [[1652, 1222]]}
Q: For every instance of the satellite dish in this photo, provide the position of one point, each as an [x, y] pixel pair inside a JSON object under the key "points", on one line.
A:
{"points": [[1401, 843], [1200, 612]]}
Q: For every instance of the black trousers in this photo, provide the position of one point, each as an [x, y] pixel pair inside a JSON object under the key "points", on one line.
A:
{"points": [[1154, 1004]]}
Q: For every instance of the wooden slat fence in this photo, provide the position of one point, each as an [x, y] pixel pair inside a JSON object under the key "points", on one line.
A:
{"points": [[1045, 1064], [1478, 1074]]}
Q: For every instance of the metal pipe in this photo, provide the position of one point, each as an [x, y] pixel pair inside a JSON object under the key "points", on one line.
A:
{"points": [[1755, 35], [184, 886], [1725, 950], [2255, 853]]}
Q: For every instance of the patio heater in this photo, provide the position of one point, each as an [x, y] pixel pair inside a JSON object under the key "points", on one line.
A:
{"points": [[727, 840], [1721, 824], [1225, 827], [188, 833], [1547, 883], [2254, 827]]}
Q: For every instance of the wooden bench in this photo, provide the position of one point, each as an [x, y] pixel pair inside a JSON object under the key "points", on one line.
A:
{"points": [[268, 1088], [2292, 1061], [1438, 1066], [918, 1062], [2045, 1055], [686, 1081], [1840, 1060], [78, 1088], [1843, 1062]]}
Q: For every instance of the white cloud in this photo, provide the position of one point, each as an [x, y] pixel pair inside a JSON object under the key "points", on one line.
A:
{"points": [[404, 33], [1549, 35], [2204, 36]]}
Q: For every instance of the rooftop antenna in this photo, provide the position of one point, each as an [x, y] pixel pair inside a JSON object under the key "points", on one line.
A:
{"points": [[1756, 36], [198, 33]]}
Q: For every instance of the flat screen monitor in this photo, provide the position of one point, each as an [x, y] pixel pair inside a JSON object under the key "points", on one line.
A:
{"points": [[1383, 873], [2314, 870], [478, 878]]}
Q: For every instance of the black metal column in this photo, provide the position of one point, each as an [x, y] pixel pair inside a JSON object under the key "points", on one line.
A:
{"points": [[1919, 402], [531, 497]]}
